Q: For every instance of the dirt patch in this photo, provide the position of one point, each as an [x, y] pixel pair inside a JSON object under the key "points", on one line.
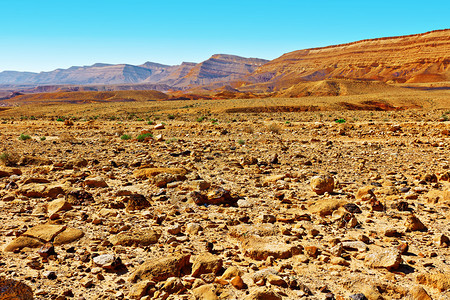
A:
{"points": [[374, 106]]}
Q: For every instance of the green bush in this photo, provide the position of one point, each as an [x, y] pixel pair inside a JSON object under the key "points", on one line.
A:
{"points": [[241, 142], [60, 120], [143, 136], [125, 137], [170, 117], [340, 121], [171, 140], [24, 137], [200, 119], [43, 138]]}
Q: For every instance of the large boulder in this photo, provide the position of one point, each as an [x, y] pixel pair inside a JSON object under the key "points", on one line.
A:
{"points": [[45, 233], [36, 190], [390, 258], [136, 238], [322, 184], [440, 281], [260, 248], [14, 290], [160, 269], [206, 263], [6, 171]]}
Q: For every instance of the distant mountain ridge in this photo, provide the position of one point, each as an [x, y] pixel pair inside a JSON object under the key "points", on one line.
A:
{"points": [[418, 58], [219, 67]]}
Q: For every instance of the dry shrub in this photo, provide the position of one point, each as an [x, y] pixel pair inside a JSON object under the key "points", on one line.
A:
{"points": [[9, 159], [67, 137], [248, 129], [274, 128]]}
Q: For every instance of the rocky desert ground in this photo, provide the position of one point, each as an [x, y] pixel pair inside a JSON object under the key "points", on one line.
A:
{"points": [[173, 200]]}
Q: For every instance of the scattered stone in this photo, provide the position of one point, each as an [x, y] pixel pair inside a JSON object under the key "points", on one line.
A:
{"points": [[28, 160], [384, 258], [136, 238], [79, 197], [217, 196], [47, 250], [108, 261], [359, 296], [324, 207], [137, 202], [430, 178], [193, 228], [40, 234], [205, 292], [7, 172], [57, 206], [322, 184], [413, 223], [152, 172], [173, 285], [95, 182], [439, 281], [206, 263], [161, 269], [442, 241], [33, 190], [237, 282], [419, 293], [366, 193], [263, 294], [260, 248], [50, 275], [140, 289]]}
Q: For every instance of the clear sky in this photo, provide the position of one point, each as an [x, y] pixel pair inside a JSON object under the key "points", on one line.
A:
{"points": [[42, 35]]}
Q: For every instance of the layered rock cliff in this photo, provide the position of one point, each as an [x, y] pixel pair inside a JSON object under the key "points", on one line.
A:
{"points": [[414, 58]]}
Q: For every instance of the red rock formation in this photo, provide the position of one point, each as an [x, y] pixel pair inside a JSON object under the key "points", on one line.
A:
{"points": [[414, 58]]}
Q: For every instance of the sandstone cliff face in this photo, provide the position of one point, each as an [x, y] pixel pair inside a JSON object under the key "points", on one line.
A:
{"points": [[415, 58]]}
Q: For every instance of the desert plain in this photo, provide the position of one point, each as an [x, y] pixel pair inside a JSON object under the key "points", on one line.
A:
{"points": [[334, 197]]}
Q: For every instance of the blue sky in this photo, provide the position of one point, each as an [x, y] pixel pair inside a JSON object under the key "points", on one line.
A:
{"points": [[42, 35]]}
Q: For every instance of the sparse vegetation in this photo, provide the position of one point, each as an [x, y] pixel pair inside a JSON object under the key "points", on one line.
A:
{"points": [[144, 136], [9, 159], [340, 121], [170, 117], [274, 128], [24, 137], [171, 140], [125, 137], [200, 119], [60, 120], [241, 142], [43, 138]]}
